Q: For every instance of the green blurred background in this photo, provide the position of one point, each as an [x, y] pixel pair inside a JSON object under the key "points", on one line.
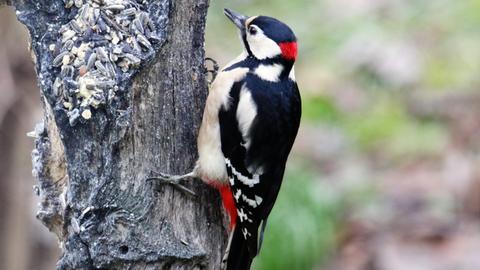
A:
{"points": [[385, 172]]}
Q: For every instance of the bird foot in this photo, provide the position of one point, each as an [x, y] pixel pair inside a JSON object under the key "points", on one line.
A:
{"points": [[213, 71], [174, 180]]}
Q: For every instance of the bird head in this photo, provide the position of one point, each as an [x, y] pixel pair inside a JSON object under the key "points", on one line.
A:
{"points": [[265, 37]]}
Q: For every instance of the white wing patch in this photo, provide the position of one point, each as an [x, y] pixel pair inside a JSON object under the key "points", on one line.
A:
{"points": [[269, 73], [246, 113], [245, 180]]}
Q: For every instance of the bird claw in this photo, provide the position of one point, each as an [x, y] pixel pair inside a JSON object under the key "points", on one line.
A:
{"points": [[163, 178], [213, 71]]}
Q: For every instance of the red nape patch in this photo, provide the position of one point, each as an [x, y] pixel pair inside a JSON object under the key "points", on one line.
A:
{"points": [[229, 203], [289, 50]]}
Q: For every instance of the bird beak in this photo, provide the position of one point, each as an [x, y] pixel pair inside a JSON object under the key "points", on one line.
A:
{"points": [[237, 18]]}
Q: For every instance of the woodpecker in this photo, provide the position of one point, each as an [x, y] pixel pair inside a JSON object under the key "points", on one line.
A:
{"points": [[250, 122]]}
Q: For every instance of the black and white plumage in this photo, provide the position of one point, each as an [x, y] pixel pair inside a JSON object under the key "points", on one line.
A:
{"points": [[250, 122], [258, 125]]}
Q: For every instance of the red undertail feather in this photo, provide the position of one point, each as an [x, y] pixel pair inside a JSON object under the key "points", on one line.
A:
{"points": [[227, 199], [229, 204], [289, 50]]}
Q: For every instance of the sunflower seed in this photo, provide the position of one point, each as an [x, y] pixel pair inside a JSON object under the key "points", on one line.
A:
{"points": [[101, 25], [144, 41], [101, 54], [67, 71], [68, 4], [133, 59], [111, 69], [57, 61], [110, 22], [84, 11], [146, 21], [150, 23], [91, 60], [57, 85], [68, 35], [143, 17], [137, 26], [68, 45], [75, 26], [96, 15], [115, 7], [129, 11], [105, 84], [78, 3], [101, 67]]}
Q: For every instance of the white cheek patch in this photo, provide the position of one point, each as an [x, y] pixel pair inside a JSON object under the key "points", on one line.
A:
{"points": [[269, 73], [262, 47], [246, 113]]}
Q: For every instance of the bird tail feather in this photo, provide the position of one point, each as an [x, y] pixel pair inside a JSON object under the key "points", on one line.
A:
{"points": [[240, 256]]}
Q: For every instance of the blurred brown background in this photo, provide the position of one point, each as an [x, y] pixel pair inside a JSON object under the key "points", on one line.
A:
{"points": [[24, 242], [385, 171]]}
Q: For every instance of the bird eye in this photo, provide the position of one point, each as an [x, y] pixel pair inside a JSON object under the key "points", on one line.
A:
{"points": [[252, 30]]}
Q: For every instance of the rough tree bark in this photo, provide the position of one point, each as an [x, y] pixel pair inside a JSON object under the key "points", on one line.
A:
{"points": [[92, 168]]}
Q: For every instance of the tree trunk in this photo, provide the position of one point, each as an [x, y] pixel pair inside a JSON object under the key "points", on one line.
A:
{"points": [[91, 166]]}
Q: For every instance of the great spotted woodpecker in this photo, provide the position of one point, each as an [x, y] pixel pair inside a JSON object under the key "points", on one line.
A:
{"points": [[250, 122]]}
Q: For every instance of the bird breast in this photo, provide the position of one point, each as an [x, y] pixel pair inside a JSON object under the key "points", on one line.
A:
{"points": [[211, 161]]}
